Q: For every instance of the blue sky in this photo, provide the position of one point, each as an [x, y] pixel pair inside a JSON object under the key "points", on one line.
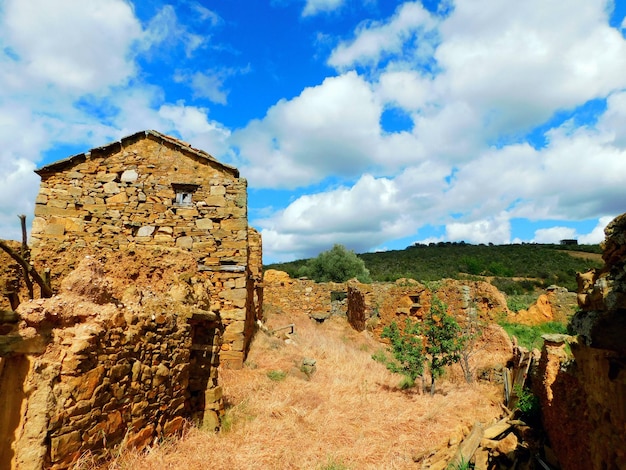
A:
{"points": [[375, 124]]}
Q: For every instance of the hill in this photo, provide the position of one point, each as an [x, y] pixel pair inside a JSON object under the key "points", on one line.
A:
{"points": [[516, 268]]}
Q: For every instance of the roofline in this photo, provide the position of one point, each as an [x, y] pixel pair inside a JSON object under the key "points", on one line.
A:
{"points": [[183, 146]]}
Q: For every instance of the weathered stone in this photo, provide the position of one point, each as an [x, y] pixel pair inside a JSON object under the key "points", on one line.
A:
{"points": [[117, 199], [186, 243], [146, 231], [63, 448], [204, 224], [111, 188], [129, 176]]}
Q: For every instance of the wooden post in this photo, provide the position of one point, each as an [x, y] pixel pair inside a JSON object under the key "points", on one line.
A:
{"points": [[468, 446]]}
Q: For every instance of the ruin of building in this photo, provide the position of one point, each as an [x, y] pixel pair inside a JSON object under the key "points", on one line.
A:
{"points": [[147, 241]]}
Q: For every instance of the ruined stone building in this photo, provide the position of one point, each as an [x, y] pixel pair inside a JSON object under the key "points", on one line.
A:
{"points": [[158, 276]]}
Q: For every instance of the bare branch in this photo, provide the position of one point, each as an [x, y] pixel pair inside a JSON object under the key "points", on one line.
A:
{"points": [[46, 291]]}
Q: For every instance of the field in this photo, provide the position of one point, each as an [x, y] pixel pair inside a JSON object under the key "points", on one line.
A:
{"points": [[349, 414]]}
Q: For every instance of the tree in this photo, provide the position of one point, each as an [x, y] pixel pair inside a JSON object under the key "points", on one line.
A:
{"points": [[471, 331], [336, 265], [407, 349], [444, 340]]}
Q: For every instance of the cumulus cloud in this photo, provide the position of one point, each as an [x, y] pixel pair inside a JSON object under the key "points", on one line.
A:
{"points": [[332, 128], [597, 234], [501, 69], [491, 229], [375, 39], [106, 26], [519, 62], [554, 234]]}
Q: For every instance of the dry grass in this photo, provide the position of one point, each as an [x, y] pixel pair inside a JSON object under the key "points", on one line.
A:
{"points": [[349, 414]]}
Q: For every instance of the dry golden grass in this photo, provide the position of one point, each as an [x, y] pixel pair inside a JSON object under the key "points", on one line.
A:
{"points": [[349, 414]]}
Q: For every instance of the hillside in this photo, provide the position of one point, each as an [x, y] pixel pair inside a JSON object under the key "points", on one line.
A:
{"points": [[543, 264]]}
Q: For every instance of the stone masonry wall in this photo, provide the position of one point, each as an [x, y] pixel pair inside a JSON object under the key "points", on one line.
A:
{"points": [[123, 197], [113, 372]]}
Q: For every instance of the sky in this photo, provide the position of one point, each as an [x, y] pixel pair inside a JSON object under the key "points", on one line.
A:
{"points": [[375, 124]]}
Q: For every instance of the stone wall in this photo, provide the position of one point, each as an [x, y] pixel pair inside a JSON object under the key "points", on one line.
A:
{"points": [[149, 190], [584, 397], [115, 367]]}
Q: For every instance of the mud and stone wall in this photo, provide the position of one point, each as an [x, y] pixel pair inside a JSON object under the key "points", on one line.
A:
{"points": [[112, 366], [583, 395], [376, 305], [151, 191]]}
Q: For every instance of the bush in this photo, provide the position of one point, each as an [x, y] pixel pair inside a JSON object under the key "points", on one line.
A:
{"points": [[336, 265]]}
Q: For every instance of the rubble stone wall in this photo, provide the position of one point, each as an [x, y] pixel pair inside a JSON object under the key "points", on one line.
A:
{"points": [[584, 399], [111, 372]]}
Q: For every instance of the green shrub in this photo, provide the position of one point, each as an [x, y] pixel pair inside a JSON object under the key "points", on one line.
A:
{"points": [[335, 265], [276, 375]]}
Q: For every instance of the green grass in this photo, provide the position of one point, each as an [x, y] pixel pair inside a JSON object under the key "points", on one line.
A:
{"points": [[276, 375], [530, 336], [519, 302]]}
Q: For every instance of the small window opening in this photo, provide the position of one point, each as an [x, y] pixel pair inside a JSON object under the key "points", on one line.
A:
{"points": [[183, 198], [184, 193]]}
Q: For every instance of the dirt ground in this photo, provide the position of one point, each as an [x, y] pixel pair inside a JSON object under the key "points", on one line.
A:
{"points": [[349, 413]]}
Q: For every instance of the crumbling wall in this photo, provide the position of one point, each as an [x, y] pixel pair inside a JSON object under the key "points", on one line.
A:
{"points": [[301, 295], [120, 365], [584, 399], [125, 197], [379, 304]]}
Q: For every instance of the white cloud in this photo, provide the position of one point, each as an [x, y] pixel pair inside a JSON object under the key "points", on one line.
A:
{"points": [[314, 7], [359, 217], [554, 234], [597, 234], [376, 39], [166, 29], [332, 128], [495, 229], [519, 62], [19, 186], [39, 34]]}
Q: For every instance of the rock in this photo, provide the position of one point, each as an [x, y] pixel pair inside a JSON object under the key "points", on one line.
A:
{"points": [[507, 445], [129, 176]]}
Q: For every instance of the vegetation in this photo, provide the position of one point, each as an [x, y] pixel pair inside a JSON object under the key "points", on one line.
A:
{"points": [[530, 336], [276, 375], [517, 268], [407, 349], [517, 302], [437, 343], [444, 340], [335, 265], [528, 404]]}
